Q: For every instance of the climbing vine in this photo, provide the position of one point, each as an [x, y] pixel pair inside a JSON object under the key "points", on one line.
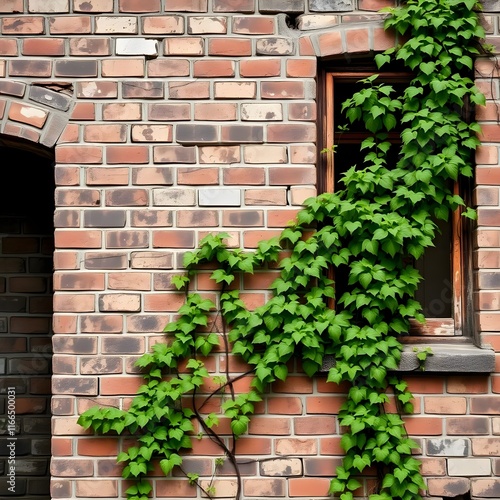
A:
{"points": [[385, 216]]}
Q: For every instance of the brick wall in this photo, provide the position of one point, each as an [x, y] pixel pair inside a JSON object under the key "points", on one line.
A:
{"points": [[169, 119]]}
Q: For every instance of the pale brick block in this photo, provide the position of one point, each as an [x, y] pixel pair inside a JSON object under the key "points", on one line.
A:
{"points": [[174, 197], [48, 6], [122, 24], [262, 112], [136, 47], [235, 90], [2, 69], [467, 467], [213, 197], [275, 47], [448, 447], [316, 21], [299, 194], [224, 488], [197, 25], [281, 467], [265, 154], [496, 425]]}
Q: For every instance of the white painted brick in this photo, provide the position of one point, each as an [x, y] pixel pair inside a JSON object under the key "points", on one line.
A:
{"points": [[174, 197], [48, 6], [136, 47], [265, 154], [213, 197], [448, 447], [119, 24], [261, 112], [467, 467]]}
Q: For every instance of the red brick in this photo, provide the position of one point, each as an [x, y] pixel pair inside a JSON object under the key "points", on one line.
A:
{"points": [[83, 111], [70, 25], [43, 47], [29, 25], [122, 111], [114, 176], [8, 46], [163, 25], [79, 154], [216, 68], [25, 113], [253, 68], [215, 111], [308, 487], [185, 47], [86, 46], [122, 67], [301, 68], [139, 6], [253, 25], [127, 154], [229, 47], [105, 133], [168, 67], [189, 90]]}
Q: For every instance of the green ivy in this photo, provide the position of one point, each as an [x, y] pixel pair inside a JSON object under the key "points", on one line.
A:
{"points": [[383, 215]]}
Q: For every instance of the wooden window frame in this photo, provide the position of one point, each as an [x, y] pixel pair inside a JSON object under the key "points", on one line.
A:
{"points": [[459, 327]]}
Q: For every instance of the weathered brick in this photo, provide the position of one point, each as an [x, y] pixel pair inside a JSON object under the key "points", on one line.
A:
{"points": [[43, 47], [163, 25], [66, 25], [122, 67], [160, 68], [116, 25], [189, 90], [206, 24], [28, 25]]}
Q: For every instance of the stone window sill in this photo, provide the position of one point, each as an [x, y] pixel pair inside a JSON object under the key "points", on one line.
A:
{"points": [[445, 358]]}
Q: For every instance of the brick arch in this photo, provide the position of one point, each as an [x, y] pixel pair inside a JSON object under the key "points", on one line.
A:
{"points": [[34, 112], [351, 39]]}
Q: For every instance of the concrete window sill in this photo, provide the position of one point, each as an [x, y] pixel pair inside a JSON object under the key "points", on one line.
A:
{"points": [[445, 358]]}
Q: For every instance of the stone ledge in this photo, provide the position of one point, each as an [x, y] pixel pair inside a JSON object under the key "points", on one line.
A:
{"points": [[445, 358]]}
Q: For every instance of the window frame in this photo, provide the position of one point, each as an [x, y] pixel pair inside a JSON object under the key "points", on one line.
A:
{"points": [[460, 327]]}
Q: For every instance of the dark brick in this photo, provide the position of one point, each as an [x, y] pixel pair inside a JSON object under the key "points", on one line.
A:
{"points": [[174, 154], [30, 68], [28, 366], [147, 324], [467, 426], [106, 261], [39, 486], [19, 489], [31, 467], [12, 304], [244, 218], [277, 6], [449, 487], [127, 239], [125, 345], [36, 425], [127, 197], [330, 5], [12, 88], [75, 385], [50, 98], [79, 345], [41, 447], [485, 405], [489, 280], [169, 112], [12, 265], [76, 68], [105, 218], [23, 447], [196, 134], [143, 90], [242, 134], [40, 265], [246, 6]]}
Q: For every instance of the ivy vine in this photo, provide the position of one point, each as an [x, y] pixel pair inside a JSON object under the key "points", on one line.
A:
{"points": [[383, 215]]}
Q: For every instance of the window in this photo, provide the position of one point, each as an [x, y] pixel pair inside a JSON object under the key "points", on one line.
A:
{"points": [[446, 268]]}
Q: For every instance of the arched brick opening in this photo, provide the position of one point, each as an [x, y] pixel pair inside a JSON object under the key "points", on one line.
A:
{"points": [[32, 120], [26, 249]]}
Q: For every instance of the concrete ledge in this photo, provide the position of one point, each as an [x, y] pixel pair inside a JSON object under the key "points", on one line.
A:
{"points": [[445, 358]]}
